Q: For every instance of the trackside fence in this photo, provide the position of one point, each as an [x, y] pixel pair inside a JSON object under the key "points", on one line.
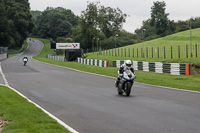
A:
{"points": [[95, 62], [50, 56], [3, 53], [158, 67], [164, 52]]}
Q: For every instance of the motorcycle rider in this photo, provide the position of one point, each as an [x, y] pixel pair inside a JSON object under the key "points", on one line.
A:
{"points": [[25, 59], [126, 66]]}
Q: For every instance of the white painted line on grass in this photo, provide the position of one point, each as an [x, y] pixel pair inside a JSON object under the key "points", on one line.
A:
{"points": [[52, 116]]}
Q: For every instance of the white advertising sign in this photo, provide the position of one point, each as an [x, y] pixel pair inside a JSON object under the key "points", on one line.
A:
{"points": [[67, 45]]}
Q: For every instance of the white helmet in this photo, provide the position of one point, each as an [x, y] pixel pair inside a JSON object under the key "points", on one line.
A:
{"points": [[128, 64]]}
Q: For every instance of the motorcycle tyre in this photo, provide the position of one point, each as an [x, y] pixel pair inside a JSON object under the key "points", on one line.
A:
{"points": [[127, 90], [119, 92], [25, 63]]}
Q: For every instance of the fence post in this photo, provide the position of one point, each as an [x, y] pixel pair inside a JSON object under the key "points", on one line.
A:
{"points": [[179, 54], [133, 52], [158, 52], [196, 50], [137, 52], [164, 52], [186, 51], [129, 52], [125, 51], [152, 52], [99, 50], [147, 52], [112, 52], [121, 52], [142, 53], [171, 53]]}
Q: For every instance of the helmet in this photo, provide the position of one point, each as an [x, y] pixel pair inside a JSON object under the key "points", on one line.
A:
{"points": [[128, 63]]}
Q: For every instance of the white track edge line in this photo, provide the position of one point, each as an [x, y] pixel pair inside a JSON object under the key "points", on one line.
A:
{"points": [[48, 113], [3, 76]]}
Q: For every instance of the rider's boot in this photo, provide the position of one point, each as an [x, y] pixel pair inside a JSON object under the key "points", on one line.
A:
{"points": [[116, 83]]}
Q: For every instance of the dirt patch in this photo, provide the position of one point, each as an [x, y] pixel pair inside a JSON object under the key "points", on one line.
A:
{"points": [[196, 69], [193, 72], [2, 124]]}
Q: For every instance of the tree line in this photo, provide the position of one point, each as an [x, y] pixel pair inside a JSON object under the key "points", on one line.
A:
{"points": [[100, 26], [15, 22], [159, 24], [97, 26]]}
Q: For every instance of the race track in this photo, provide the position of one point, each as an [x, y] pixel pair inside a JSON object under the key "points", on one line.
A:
{"points": [[89, 103]]}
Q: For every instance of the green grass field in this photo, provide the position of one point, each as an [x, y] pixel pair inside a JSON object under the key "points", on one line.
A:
{"points": [[24, 117]]}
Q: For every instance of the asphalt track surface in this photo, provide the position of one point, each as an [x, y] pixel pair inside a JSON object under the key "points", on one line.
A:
{"points": [[90, 104]]}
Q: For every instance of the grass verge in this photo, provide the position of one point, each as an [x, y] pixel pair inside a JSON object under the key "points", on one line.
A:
{"points": [[24, 48], [24, 117]]}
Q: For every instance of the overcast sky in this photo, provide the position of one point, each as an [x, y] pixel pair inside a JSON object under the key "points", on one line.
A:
{"points": [[138, 10]]}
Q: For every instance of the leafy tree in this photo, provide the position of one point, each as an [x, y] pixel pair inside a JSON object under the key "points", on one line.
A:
{"points": [[110, 20], [158, 25], [99, 22], [123, 38], [196, 22], [4, 37], [88, 25], [35, 17], [146, 32], [172, 26], [55, 22], [159, 18], [64, 39], [19, 17], [182, 26], [77, 34]]}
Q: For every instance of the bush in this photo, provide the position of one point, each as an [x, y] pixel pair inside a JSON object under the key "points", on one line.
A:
{"points": [[60, 52], [64, 39]]}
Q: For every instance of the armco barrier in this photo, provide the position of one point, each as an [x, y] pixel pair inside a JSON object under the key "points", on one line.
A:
{"points": [[55, 57], [158, 67], [95, 62], [3, 56]]}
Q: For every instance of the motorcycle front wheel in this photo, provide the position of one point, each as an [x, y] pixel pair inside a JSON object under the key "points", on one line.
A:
{"points": [[127, 88]]}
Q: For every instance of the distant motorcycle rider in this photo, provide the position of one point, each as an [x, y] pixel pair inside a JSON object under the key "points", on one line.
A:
{"points": [[126, 66], [25, 60]]}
